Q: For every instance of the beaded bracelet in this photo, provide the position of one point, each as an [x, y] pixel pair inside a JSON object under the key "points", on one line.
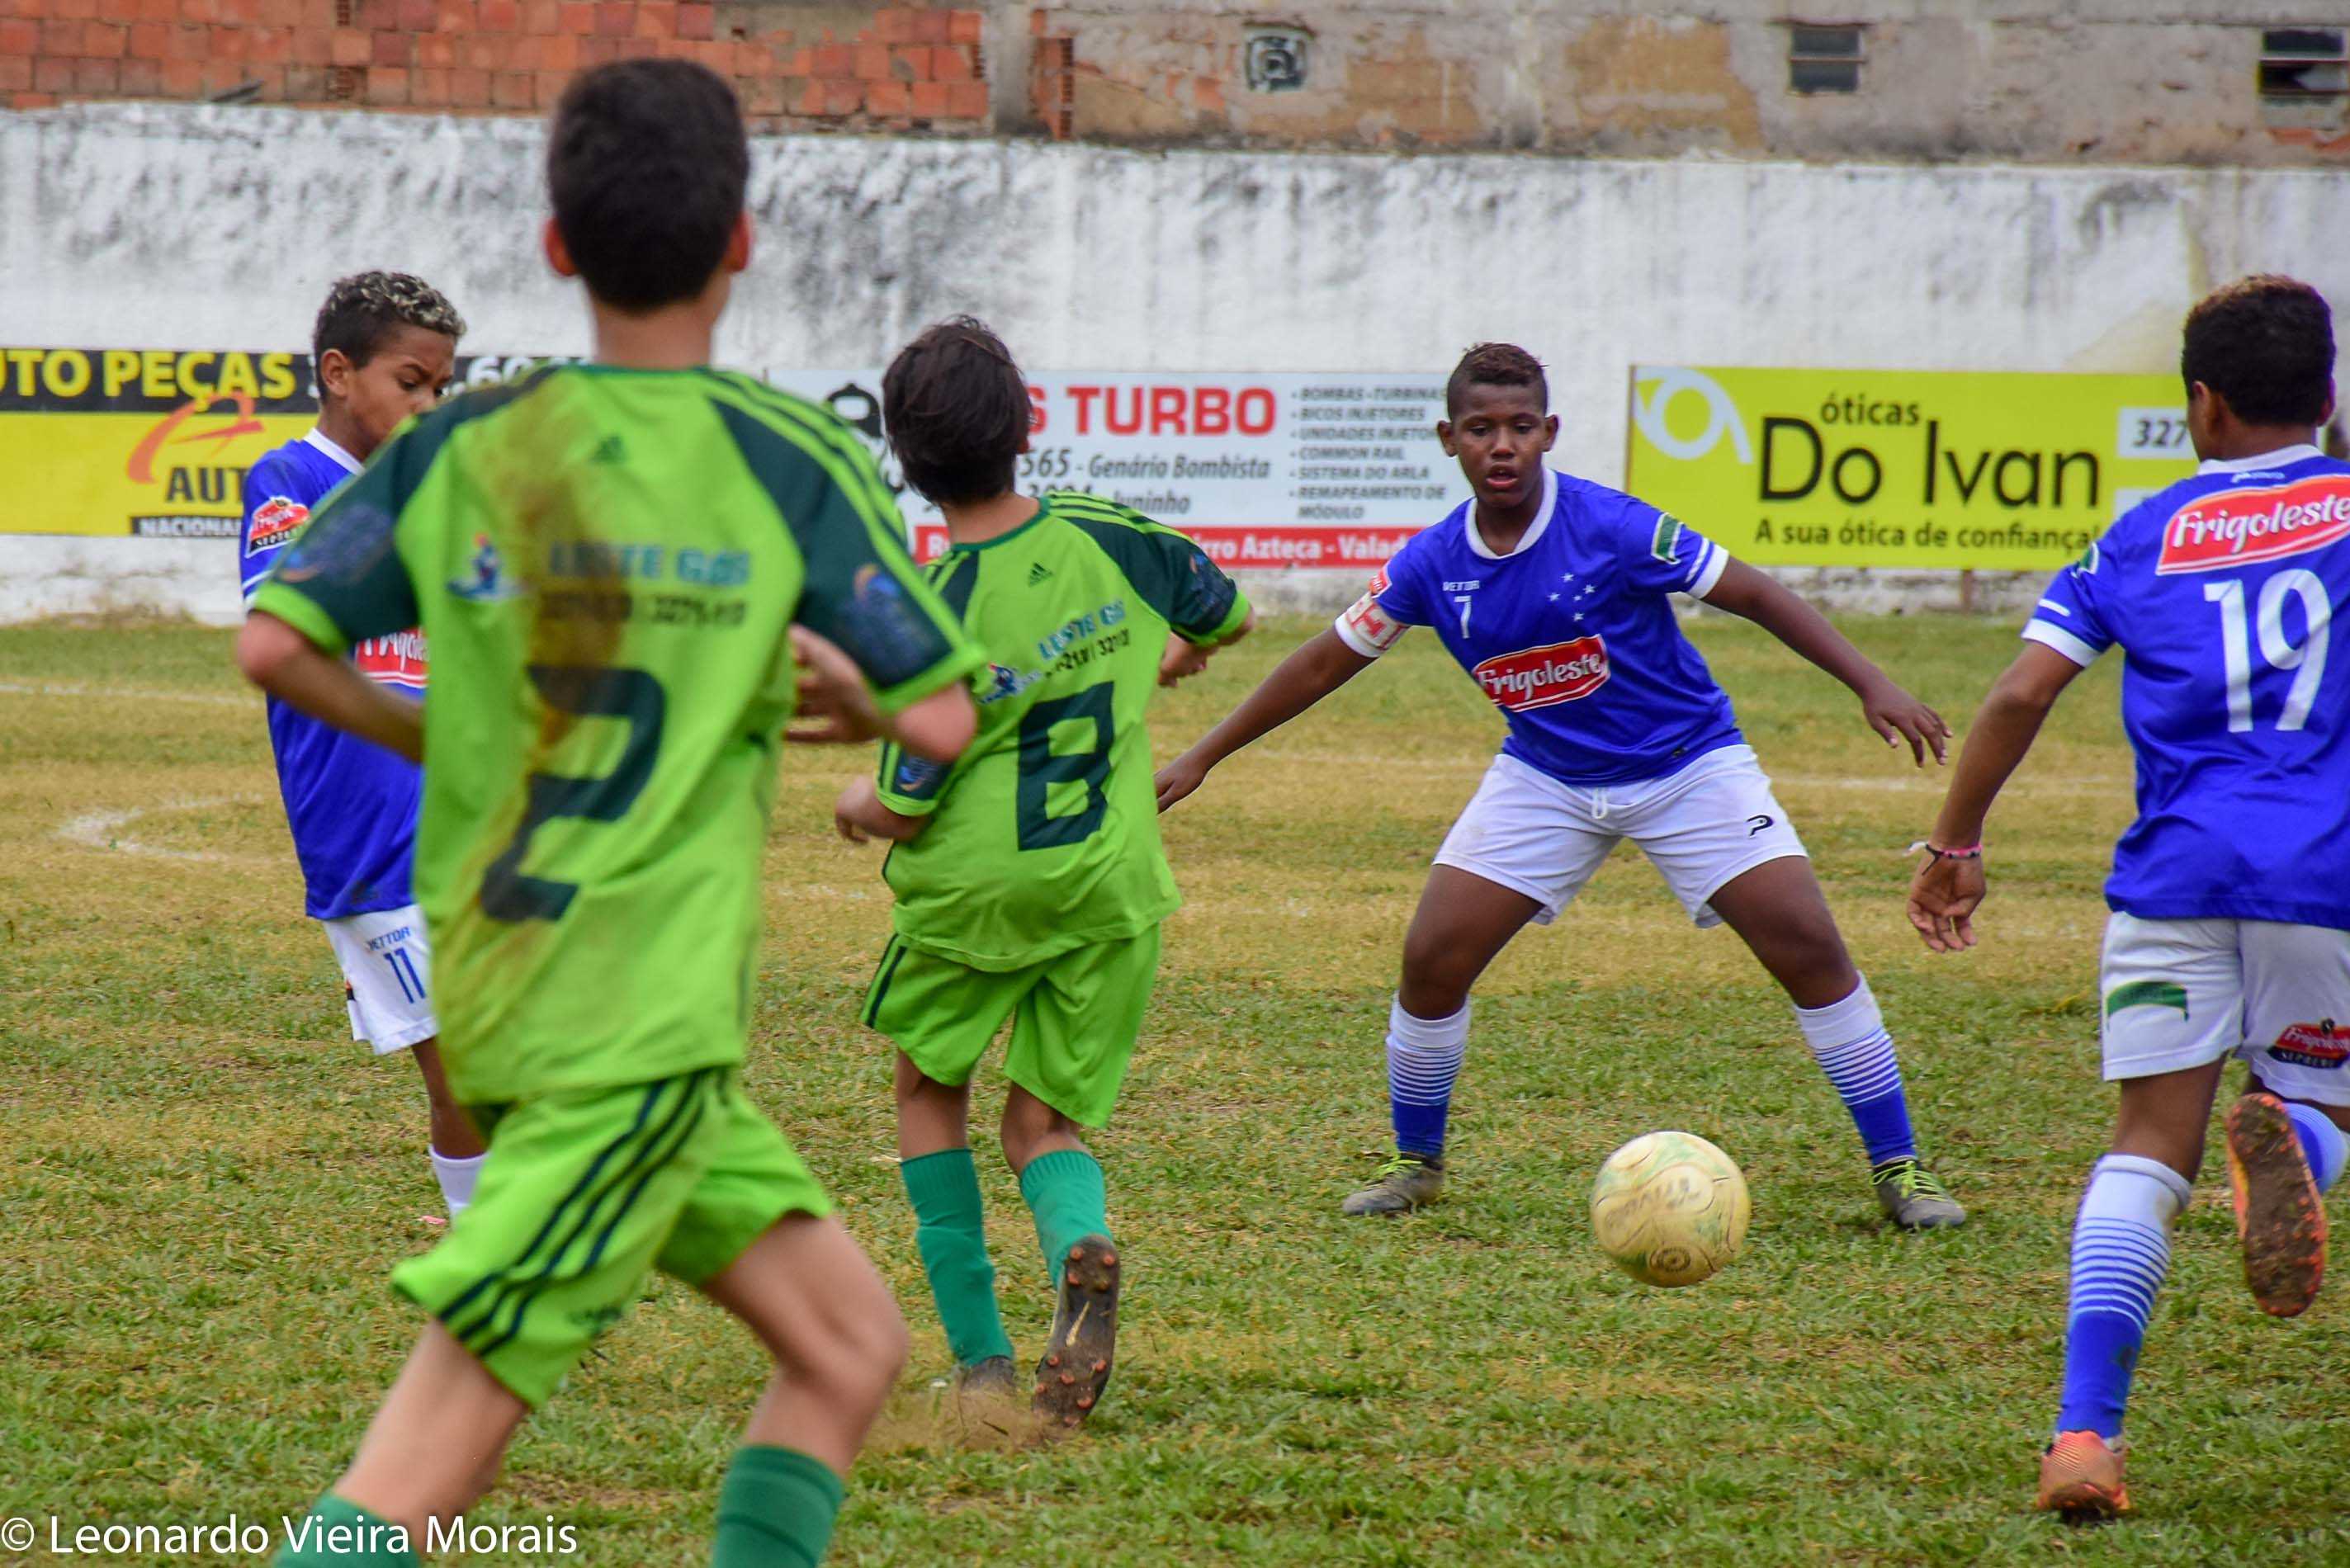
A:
{"points": [[1965, 852]]}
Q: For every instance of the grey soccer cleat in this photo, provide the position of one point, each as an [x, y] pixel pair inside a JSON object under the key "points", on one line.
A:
{"points": [[1075, 1367], [994, 1379], [1402, 1183], [1913, 1196]]}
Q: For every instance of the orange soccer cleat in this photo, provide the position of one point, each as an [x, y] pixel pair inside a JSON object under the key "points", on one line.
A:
{"points": [[2280, 1214], [2081, 1477]]}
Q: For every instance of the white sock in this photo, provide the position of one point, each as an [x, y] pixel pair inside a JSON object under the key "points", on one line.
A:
{"points": [[456, 1178]]}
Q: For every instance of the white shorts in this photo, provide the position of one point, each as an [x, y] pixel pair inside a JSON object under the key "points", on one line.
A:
{"points": [[2181, 994], [387, 977], [1699, 827]]}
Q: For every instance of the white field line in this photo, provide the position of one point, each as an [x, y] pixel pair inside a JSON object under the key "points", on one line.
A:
{"points": [[103, 830], [1370, 764], [123, 693]]}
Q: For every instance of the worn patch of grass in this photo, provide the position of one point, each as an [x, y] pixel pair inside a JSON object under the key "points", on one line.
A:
{"points": [[206, 1182]]}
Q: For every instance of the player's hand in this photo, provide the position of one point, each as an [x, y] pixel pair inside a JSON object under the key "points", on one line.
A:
{"points": [[835, 707], [1177, 779], [1896, 715], [1943, 898], [1181, 661], [848, 811]]}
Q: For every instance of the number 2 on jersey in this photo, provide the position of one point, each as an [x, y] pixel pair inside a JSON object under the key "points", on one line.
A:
{"points": [[633, 695], [2308, 660], [1041, 767]]}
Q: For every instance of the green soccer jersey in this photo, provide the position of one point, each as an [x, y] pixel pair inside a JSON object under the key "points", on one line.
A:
{"points": [[1045, 832], [605, 562]]}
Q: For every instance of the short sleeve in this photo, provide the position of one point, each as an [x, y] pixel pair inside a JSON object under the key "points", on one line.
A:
{"points": [[2071, 616], [272, 516], [1665, 555], [907, 785], [1169, 569], [1391, 605], [341, 580], [861, 590]]}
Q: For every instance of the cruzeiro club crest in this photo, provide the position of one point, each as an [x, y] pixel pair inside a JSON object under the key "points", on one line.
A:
{"points": [[487, 582]]}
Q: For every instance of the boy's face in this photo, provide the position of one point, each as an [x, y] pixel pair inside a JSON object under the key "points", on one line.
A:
{"points": [[406, 375], [1500, 434]]}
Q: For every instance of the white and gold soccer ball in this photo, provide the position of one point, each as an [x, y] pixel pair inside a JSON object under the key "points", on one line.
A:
{"points": [[1670, 1209]]}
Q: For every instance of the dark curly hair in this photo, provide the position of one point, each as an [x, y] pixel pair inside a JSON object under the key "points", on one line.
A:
{"points": [[1495, 365], [363, 309], [2265, 343]]}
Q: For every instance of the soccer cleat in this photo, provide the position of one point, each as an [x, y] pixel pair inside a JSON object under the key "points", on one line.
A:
{"points": [[1914, 1196], [2279, 1215], [1078, 1355], [1403, 1182], [994, 1379], [2081, 1477]]}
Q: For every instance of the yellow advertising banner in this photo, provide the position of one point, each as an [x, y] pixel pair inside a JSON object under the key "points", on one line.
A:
{"points": [[152, 442], [1902, 468]]}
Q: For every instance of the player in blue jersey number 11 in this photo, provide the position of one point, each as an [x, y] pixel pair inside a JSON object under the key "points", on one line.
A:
{"points": [[2230, 933], [1551, 593]]}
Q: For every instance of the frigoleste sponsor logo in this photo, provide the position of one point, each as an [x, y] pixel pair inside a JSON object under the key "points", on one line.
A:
{"points": [[2234, 528], [1539, 676], [394, 660], [2320, 1044]]}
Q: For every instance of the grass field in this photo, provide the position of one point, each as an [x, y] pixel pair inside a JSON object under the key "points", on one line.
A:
{"points": [[206, 1182]]}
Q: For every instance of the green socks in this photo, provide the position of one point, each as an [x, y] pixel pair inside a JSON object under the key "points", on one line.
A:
{"points": [[944, 1189], [1065, 1191], [775, 1510], [345, 1534]]}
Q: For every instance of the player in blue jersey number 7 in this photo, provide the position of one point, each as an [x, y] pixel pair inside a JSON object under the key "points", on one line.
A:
{"points": [[1552, 593], [2230, 934]]}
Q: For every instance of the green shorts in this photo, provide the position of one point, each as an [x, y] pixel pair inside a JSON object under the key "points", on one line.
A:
{"points": [[1074, 1018], [586, 1193]]}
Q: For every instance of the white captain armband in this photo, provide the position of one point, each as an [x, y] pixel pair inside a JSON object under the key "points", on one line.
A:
{"points": [[1364, 626]]}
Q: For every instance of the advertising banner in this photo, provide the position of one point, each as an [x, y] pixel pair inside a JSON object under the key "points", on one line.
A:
{"points": [[151, 442], [1264, 471], [1902, 469]]}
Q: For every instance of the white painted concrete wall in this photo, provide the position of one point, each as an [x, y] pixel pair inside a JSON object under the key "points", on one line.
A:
{"points": [[166, 226]]}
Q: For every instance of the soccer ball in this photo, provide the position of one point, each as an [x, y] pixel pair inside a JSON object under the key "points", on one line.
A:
{"points": [[1670, 1209]]}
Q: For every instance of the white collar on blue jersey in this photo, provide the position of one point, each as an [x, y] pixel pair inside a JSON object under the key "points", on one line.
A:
{"points": [[2298, 453], [319, 441], [1533, 531]]}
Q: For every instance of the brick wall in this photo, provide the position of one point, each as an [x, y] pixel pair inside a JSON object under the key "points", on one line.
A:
{"points": [[849, 67]]}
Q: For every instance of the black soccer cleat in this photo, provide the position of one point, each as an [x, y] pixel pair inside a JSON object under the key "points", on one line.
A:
{"points": [[1079, 1350]]}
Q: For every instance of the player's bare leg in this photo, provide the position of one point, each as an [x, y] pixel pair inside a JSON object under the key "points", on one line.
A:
{"points": [[1778, 911], [435, 1445], [1063, 1184], [934, 1159], [2282, 1155], [2121, 1250], [1463, 923]]}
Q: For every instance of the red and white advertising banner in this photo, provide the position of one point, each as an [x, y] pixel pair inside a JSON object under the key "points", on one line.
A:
{"points": [[1332, 471]]}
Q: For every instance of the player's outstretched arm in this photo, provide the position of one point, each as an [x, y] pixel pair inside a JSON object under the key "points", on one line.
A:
{"points": [[287, 665], [1948, 889], [1891, 711], [1320, 666]]}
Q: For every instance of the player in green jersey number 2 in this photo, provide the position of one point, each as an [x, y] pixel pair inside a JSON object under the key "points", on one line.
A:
{"points": [[614, 564], [1029, 878]]}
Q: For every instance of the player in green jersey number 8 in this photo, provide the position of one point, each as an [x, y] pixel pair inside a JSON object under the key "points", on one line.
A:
{"points": [[1029, 878]]}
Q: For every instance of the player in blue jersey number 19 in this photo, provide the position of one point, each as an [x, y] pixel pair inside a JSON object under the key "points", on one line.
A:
{"points": [[2230, 933], [1551, 592]]}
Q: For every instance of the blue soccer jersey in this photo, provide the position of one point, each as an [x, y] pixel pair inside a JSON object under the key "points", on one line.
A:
{"points": [[351, 804], [1571, 635], [2220, 592]]}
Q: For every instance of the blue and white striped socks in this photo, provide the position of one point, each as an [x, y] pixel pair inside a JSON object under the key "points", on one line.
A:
{"points": [[1848, 1040], [2121, 1249], [1423, 1059]]}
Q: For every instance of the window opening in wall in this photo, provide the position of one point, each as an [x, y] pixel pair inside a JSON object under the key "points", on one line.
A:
{"points": [[2298, 63], [1823, 57]]}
